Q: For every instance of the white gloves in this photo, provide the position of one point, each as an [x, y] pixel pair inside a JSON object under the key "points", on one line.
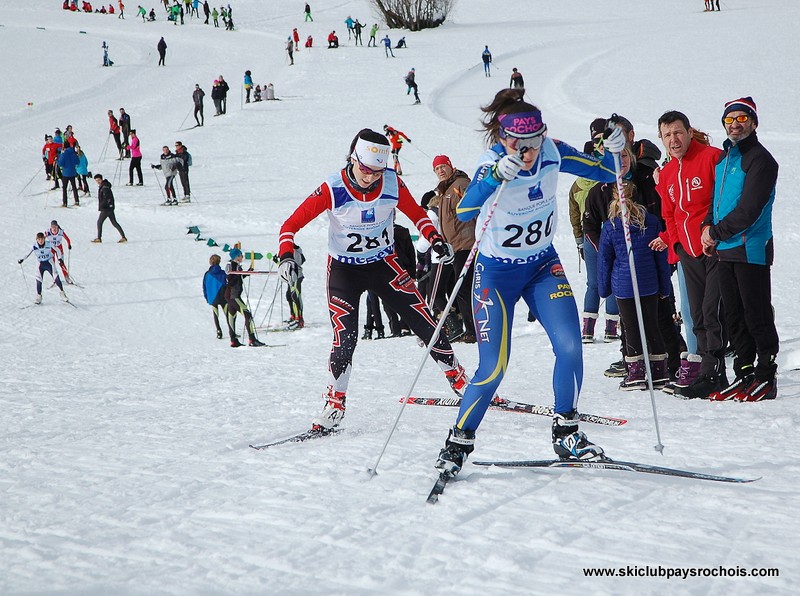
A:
{"points": [[288, 271], [507, 168], [615, 141]]}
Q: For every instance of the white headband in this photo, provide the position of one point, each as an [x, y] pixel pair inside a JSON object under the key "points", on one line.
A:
{"points": [[371, 154]]}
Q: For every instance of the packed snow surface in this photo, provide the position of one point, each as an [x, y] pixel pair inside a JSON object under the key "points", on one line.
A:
{"points": [[125, 424]]}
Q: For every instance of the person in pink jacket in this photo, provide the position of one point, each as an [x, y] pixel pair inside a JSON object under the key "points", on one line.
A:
{"points": [[136, 158]]}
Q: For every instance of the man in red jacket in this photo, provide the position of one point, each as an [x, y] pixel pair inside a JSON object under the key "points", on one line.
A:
{"points": [[686, 186], [114, 130], [50, 153]]}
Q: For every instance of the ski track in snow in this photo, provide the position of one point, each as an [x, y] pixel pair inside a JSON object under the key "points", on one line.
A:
{"points": [[124, 466]]}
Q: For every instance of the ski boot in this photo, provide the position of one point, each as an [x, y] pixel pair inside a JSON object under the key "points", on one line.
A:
{"points": [[219, 333], [333, 412], [235, 343], [745, 375], [379, 333], [616, 369], [459, 444], [367, 333], [63, 295], [458, 379], [38, 299], [571, 443], [758, 390], [704, 386], [255, 342]]}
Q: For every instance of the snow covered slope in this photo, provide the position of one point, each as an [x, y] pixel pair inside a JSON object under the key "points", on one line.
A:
{"points": [[124, 424]]}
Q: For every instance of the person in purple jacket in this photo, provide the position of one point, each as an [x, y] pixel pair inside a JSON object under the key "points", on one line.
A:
{"points": [[652, 275]]}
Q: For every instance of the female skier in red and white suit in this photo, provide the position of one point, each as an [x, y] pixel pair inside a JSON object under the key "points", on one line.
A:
{"points": [[361, 200]]}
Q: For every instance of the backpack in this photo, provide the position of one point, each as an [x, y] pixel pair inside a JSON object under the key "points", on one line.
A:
{"points": [[188, 158]]}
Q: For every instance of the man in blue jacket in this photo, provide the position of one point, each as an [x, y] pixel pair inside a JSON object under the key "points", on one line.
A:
{"points": [[214, 282], [68, 162], [739, 228]]}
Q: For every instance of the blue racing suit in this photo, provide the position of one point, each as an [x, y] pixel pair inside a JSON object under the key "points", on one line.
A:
{"points": [[516, 259]]}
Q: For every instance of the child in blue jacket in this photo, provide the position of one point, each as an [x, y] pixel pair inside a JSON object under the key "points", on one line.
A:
{"points": [[652, 276]]}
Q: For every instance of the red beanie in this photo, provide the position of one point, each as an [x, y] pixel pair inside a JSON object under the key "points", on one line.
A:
{"points": [[440, 160]]}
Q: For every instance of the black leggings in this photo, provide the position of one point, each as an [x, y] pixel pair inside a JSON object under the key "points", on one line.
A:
{"points": [[374, 316], [346, 284], [67, 180], [136, 166], [633, 339]]}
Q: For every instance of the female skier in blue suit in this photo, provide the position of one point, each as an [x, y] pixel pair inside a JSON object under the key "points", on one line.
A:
{"points": [[516, 259]]}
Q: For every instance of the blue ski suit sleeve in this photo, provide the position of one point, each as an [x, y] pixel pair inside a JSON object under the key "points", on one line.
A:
{"points": [[484, 184]]}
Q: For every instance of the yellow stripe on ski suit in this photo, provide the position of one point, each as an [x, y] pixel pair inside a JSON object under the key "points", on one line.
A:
{"points": [[502, 358]]}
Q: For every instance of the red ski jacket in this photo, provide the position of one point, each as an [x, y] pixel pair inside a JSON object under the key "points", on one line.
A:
{"points": [[686, 187]]}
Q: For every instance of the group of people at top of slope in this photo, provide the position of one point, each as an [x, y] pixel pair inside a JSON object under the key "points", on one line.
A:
{"points": [[72, 5], [724, 243]]}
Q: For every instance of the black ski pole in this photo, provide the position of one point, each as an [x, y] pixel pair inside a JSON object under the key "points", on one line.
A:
{"points": [[180, 128], [158, 182], [31, 180]]}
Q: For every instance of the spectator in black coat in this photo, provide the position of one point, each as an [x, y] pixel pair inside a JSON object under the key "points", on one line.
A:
{"points": [[162, 52], [216, 96], [197, 98], [225, 88]]}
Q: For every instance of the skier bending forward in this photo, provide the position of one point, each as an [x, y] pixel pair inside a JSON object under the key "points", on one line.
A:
{"points": [[361, 200], [516, 259]]}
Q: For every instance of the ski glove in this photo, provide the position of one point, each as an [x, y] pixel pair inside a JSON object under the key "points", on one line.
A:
{"points": [[614, 140], [507, 168], [288, 270], [442, 248]]}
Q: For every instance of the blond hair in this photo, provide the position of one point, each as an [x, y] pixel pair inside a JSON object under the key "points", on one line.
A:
{"points": [[636, 212]]}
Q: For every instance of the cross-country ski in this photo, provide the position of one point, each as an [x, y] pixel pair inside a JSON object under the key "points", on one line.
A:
{"points": [[506, 405], [610, 464]]}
